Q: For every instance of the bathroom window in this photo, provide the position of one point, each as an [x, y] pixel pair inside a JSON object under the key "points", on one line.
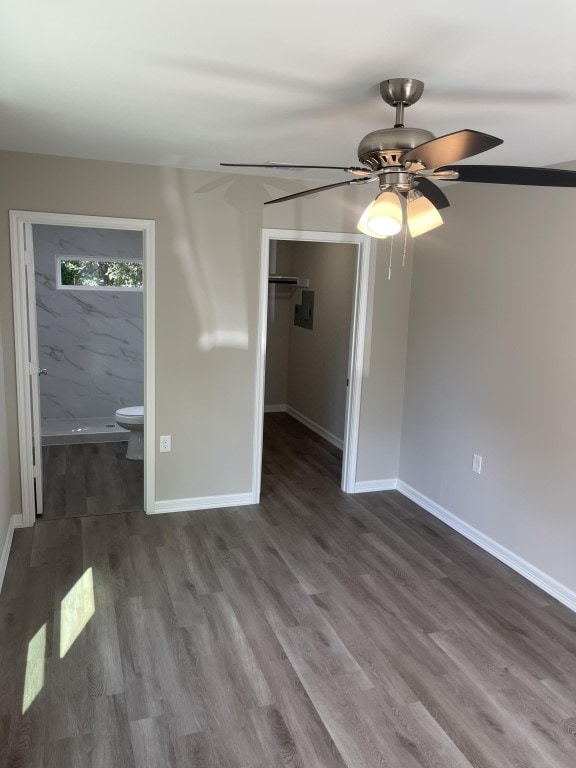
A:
{"points": [[81, 272]]}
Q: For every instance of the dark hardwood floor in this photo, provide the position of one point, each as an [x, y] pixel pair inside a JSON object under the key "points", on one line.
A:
{"points": [[90, 479], [314, 630]]}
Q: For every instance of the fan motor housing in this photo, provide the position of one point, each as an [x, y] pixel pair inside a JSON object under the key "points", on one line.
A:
{"points": [[385, 147]]}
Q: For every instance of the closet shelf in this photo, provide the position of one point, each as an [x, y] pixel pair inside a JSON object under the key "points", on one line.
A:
{"points": [[288, 280]]}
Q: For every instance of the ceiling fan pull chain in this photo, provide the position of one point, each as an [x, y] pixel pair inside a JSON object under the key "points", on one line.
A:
{"points": [[405, 243], [390, 261]]}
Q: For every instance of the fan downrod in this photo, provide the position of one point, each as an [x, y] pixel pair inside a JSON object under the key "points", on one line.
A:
{"points": [[384, 148]]}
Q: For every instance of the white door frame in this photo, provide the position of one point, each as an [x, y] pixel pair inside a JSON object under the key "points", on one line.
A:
{"points": [[19, 220], [356, 356]]}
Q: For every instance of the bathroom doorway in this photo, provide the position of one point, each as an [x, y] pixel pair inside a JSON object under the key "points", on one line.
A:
{"points": [[83, 299], [319, 307]]}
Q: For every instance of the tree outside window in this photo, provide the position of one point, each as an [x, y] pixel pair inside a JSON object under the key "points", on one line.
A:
{"points": [[91, 273]]}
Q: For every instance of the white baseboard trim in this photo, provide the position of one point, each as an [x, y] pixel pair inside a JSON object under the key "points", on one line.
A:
{"points": [[315, 427], [203, 502], [367, 486], [15, 521], [274, 408], [549, 585]]}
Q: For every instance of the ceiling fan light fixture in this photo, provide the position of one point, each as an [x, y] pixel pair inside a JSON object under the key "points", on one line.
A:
{"points": [[421, 214], [362, 225], [384, 215]]}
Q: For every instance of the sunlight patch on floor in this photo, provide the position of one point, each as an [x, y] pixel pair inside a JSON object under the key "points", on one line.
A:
{"points": [[76, 611], [35, 660]]}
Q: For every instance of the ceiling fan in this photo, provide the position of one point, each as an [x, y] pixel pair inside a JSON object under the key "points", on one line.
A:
{"points": [[404, 161]]}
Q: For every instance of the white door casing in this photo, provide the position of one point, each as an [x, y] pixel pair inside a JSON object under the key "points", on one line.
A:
{"points": [[356, 355], [26, 347]]}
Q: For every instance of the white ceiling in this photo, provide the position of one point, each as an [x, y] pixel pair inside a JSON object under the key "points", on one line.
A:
{"points": [[177, 82]]}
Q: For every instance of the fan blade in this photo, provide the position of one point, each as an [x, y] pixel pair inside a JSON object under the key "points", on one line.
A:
{"points": [[514, 174], [432, 192], [288, 166], [450, 148], [311, 191]]}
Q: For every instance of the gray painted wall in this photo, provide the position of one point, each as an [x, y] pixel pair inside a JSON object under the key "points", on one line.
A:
{"points": [[91, 342], [492, 370], [208, 233], [318, 365]]}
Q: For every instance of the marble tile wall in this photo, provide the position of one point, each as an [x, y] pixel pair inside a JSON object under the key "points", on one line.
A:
{"points": [[91, 342]]}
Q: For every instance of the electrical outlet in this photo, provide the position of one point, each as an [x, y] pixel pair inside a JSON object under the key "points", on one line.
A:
{"points": [[477, 464], [165, 443]]}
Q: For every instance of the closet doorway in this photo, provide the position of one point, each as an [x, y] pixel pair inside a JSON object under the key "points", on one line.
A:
{"points": [[312, 323]]}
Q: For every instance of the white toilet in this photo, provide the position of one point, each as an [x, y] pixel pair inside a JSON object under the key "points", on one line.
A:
{"points": [[133, 419]]}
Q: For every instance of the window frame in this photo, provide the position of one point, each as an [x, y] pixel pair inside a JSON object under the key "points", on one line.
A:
{"points": [[108, 288]]}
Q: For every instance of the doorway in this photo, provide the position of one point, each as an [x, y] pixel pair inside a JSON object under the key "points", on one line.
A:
{"points": [[89, 295], [303, 312]]}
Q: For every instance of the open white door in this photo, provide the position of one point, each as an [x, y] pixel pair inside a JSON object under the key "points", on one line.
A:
{"points": [[26, 336], [31, 342]]}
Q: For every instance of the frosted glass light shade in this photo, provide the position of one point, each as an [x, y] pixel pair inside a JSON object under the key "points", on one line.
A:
{"points": [[362, 225], [385, 215], [421, 214]]}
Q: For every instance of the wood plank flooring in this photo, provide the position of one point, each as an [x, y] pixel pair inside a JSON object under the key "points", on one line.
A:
{"points": [[90, 479], [314, 630]]}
